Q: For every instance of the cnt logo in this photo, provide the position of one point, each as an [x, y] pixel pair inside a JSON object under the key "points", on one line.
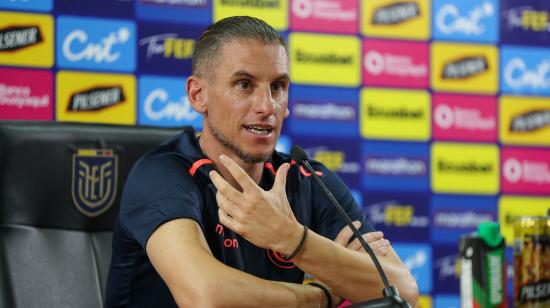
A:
{"points": [[448, 19], [158, 106], [517, 75], [90, 43]]}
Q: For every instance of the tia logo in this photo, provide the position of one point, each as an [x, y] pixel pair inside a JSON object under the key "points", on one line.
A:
{"points": [[158, 106], [76, 46], [530, 121], [465, 68], [18, 37], [96, 99], [517, 75], [395, 13], [448, 20]]}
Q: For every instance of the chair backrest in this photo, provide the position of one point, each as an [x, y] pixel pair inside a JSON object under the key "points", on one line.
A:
{"points": [[60, 185]]}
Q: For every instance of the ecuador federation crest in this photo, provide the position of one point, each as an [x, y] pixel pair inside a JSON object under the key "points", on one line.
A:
{"points": [[94, 180]]}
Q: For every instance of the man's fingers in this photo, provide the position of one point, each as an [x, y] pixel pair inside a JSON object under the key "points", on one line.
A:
{"points": [[247, 184], [380, 247], [345, 234], [224, 187], [227, 206], [280, 177]]}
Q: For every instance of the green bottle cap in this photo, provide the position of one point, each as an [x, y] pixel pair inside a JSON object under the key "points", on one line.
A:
{"points": [[490, 233]]}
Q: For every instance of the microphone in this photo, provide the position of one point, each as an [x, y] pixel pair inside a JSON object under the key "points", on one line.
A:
{"points": [[390, 294]]}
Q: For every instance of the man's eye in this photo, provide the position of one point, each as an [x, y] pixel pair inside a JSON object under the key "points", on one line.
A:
{"points": [[244, 84], [276, 87]]}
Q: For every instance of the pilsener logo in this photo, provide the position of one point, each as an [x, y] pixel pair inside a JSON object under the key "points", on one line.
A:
{"points": [[456, 166], [98, 98], [324, 15], [524, 120], [466, 20], [525, 70], [464, 68], [398, 19], [461, 117], [26, 39], [90, 43], [334, 59], [393, 114], [163, 102], [525, 171]]}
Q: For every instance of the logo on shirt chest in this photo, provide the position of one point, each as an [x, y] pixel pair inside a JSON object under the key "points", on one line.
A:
{"points": [[227, 242]]}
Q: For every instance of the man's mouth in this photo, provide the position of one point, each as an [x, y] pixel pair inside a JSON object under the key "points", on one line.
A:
{"points": [[259, 130]]}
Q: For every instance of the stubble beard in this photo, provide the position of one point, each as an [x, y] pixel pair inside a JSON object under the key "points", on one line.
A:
{"points": [[241, 154]]}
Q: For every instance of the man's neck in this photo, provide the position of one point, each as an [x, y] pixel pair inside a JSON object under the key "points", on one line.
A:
{"points": [[213, 149]]}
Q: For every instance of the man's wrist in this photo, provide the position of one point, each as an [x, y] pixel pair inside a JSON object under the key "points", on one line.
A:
{"points": [[292, 240]]}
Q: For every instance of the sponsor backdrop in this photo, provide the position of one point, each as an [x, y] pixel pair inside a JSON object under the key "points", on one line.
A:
{"points": [[436, 113]]}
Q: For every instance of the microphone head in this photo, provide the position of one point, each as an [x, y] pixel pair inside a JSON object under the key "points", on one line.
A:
{"points": [[298, 154]]}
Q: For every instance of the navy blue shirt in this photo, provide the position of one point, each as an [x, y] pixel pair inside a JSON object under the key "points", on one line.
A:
{"points": [[171, 182]]}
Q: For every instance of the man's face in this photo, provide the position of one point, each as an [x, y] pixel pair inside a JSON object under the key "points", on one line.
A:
{"points": [[247, 97]]}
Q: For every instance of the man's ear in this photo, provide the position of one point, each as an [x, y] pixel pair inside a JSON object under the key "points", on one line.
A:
{"points": [[196, 93]]}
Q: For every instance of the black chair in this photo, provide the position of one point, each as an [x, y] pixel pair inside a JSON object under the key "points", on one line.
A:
{"points": [[60, 185]]}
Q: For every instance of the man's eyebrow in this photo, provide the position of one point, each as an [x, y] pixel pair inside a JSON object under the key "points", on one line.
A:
{"points": [[283, 77], [242, 73]]}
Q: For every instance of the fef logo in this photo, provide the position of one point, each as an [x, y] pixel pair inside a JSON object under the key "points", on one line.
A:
{"points": [[445, 275], [399, 215], [190, 11], [525, 171], [165, 50], [395, 64], [395, 114], [95, 177], [525, 22], [393, 165], [466, 20], [337, 154], [396, 19], [334, 16], [332, 111], [525, 70], [26, 94], [100, 44], [97, 98], [464, 117], [27, 5], [464, 68], [274, 12], [453, 216], [418, 260], [334, 59], [524, 120], [163, 102], [512, 207], [455, 167], [26, 40]]}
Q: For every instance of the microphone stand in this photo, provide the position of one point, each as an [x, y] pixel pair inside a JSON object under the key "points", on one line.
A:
{"points": [[390, 294]]}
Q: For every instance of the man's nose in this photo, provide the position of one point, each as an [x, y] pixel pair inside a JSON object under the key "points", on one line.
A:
{"points": [[264, 103]]}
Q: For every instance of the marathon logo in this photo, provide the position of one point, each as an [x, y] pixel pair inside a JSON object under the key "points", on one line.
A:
{"points": [[396, 13], [331, 58], [96, 99], [531, 121], [465, 68], [19, 37], [185, 3], [463, 167], [460, 220], [396, 166], [330, 111], [400, 113], [253, 3]]}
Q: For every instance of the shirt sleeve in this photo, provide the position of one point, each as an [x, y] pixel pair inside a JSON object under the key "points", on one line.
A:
{"points": [[329, 221], [158, 189]]}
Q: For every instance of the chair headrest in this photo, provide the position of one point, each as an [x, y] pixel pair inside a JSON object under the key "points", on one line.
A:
{"points": [[68, 175]]}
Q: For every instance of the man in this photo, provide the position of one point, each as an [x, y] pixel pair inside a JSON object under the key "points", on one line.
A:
{"points": [[208, 222]]}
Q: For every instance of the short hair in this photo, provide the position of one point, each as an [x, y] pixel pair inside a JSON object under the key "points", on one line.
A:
{"points": [[228, 29]]}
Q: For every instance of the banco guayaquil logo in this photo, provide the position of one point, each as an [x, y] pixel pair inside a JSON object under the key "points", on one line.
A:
{"points": [[94, 180]]}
